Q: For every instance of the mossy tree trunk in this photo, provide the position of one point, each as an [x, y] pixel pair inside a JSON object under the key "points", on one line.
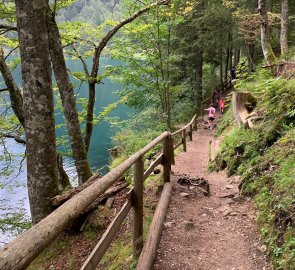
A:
{"points": [[42, 170], [268, 53], [284, 27]]}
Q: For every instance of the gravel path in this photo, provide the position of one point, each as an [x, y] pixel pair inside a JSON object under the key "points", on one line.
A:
{"points": [[208, 233]]}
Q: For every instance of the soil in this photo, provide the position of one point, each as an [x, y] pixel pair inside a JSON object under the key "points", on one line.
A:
{"points": [[218, 232]]}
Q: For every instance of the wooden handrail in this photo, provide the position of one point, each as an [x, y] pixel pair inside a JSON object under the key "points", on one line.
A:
{"points": [[20, 252]]}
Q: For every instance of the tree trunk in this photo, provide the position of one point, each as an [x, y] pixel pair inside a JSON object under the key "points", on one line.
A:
{"points": [[237, 56], [221, 67], [284, 27], [68, 101], [89, 116], [16, 98], [265, 35], [199, 79], [38, 106], [250, 57]]}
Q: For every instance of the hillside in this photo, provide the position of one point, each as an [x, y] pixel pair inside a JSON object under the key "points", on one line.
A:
{"points": [[264, 157], [91, 11]]}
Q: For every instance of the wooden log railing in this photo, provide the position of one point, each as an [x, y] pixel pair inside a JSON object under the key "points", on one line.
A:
{"points": [[19, 253]]}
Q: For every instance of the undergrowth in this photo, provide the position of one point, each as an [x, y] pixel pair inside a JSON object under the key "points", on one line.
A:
{"points": [[264, 157]]}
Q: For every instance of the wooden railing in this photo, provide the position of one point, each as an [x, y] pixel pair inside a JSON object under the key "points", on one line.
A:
{"points": [[19, 253]]}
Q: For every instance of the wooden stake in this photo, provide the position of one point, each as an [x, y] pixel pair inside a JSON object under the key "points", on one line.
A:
{"points": [[167, 158], [184, 140], [149, 251], [138, 207]]}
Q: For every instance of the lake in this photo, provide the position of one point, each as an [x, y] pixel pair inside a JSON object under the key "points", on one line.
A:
{"points": [[14, 194]]}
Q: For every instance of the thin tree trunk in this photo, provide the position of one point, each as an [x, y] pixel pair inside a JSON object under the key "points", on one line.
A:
{"points": [[38, 106], [89, 116], [250, 56], [284, 27], [68, 101], [199, 79], [227, 63], [237, 56], [16, 98], [221, 67], [265, 35]]}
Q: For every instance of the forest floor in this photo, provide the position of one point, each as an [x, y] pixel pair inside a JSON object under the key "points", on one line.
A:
{"points": [[217, 232]]}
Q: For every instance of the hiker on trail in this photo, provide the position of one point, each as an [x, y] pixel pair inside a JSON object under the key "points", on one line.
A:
{"points": [[211, 115], [221, 105]]}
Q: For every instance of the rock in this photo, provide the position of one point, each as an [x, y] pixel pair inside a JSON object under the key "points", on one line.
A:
{"points": [[208, 210], [229, 186], [157, 171], [227, 195], [263, 248], [227, 212], [109, 202], [238, 198], [184, 195], [168, 224], [188, 224], [235, 213]]}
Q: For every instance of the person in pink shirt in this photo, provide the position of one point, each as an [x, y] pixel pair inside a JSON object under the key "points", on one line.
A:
{"points": [[211, 115], [221, 105]]}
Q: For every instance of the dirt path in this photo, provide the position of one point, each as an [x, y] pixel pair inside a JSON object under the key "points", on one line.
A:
{"points": [[208, 233]]}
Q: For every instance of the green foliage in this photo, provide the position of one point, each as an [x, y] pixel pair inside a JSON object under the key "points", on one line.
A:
{"points": [[14, 219]]}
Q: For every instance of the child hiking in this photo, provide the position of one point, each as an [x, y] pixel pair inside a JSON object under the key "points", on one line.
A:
{"points": [[211, 115], [221, 105]]}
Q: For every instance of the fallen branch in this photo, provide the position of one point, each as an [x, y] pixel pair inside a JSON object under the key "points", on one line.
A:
{"points": [[62, 198]]}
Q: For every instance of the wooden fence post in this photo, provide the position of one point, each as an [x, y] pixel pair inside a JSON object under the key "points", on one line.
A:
{"points": [[191, 132], [184, 140], [138, 207], [195, 124], [167, 158]]}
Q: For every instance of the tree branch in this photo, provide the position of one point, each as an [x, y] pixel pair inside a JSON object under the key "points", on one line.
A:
{"points": [[78, 55], [17, 138], [16, 99], [113, 31], [8, 27], [11, 52]]}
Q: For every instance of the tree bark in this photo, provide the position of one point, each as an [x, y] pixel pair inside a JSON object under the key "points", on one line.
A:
{"points": [[284, 27], [89, 116], [265, 34], [38, 106], [199, 78], [15, 95], [221, 67], [250, 56], [237, 56], [68, 101]]}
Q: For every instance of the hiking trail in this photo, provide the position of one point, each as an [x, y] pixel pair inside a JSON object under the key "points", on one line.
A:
{"points": [[218, 232]]}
